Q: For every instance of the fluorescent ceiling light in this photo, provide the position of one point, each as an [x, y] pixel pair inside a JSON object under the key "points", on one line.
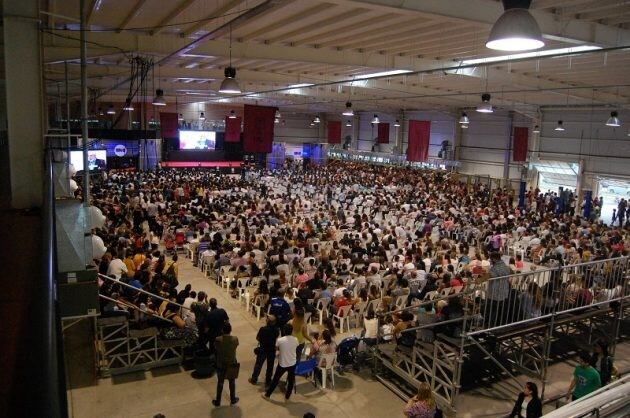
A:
{"points": [[545, 53], [383, 74], [297, 86]]}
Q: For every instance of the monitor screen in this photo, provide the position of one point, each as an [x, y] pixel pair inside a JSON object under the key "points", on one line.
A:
{"points": [[202, 140], [97, 159]]}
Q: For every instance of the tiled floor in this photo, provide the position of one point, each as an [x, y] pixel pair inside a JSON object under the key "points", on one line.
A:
{"points": [[173, 392]]}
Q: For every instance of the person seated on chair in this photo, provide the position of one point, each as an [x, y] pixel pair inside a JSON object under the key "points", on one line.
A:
{"points": [[345, 300], [405, 321], [325, 345]]}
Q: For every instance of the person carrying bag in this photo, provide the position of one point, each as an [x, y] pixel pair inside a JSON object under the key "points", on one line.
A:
{"points": [[227, 366]]}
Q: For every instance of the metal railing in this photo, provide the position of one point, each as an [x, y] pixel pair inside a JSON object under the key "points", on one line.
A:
{"points": [[389, 159]]}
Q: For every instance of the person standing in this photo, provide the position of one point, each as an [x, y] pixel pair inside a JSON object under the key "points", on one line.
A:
{"points": [[602, 362], [528, 404], [498, 291], [227, 366], [585, 378], [287, 359], [266, 350], [213, 323]]}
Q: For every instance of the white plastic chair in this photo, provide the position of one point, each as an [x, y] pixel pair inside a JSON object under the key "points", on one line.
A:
{"points": [[322, 309], [259, 304], [329, 366], [343, 317]]}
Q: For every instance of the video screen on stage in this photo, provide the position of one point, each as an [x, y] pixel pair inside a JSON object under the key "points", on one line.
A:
{"points": [[201, 140], [97, 159]]}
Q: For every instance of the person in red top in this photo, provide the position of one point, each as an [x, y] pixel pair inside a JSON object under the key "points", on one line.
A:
{"points": [[456, 281], [344, 301]]}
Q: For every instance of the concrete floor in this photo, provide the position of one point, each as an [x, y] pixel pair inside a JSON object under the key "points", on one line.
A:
{"points": [[173, 392]]}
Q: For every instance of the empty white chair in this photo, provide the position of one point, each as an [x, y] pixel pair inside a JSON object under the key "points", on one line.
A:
{"points": [[343, 317]]}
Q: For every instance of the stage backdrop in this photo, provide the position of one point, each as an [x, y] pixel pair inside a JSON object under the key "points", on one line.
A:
{"points": [[383, 133], [519, 144], [258, 128], [334, 132], [418, 140], [233, 129], [169, 124]]}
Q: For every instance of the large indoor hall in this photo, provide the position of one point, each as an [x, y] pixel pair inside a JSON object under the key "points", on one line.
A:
{"points": [[315, 209]]}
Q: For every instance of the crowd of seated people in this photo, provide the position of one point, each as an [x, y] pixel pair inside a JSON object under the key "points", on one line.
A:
{"points": [[345, 241]]}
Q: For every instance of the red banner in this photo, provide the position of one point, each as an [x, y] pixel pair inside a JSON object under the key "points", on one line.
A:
{"points": [[169, 125], [383, 133], [418, 140], [258, 128], [233, 129], [519, 144], [334, 132]]}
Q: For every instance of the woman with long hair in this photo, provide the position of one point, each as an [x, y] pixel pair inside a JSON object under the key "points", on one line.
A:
{"points": [[528, 404], [422, 405]]}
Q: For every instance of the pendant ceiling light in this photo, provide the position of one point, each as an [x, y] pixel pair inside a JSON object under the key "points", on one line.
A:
{"points": [[100, 112], [128, 106], [110, 110], [158, 100], [348, 124], [276, 120], [397, 123], [613, 120], [180, 118], [348, 111], [232, 115], [202, 116], [312, 124], [375, 119], [278, 114], [485, 106], [559, 127], [464, 126], [316, 120], [463, 120], [516, 29], [536, 129], [229, 84]]}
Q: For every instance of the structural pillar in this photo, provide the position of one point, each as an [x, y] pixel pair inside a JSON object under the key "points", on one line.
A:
{"points": [[25, 107], [508, 149], [457, 137], [356, 128]]}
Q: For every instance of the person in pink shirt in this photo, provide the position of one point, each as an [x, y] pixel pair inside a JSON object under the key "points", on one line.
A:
{"points": [[301, 279]]}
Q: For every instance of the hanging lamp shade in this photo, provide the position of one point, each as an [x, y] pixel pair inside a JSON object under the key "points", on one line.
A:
{"points": [[110, 110], [202, 116], [128, 106], [180, 117], [232, 115], [463, 120], [348, 111], [485, 106], [613, 120], [375, 119], [158, 100], [516, 29], [348, 124], [559, 126], [316, 120], [397, 123], [229, 85], [536, 129]]}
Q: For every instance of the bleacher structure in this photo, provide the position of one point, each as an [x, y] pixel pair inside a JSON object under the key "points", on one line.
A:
{"points": [[498, 350]]}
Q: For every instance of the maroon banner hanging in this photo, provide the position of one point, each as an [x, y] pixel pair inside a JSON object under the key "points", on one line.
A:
{"points": [[169, 125], [418, 140], [258, 128], [383, 133], [334, 132], [519, 144], [233, 129]]}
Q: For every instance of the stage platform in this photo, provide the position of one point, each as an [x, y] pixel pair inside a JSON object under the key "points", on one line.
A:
{"points": [[204, 164]]}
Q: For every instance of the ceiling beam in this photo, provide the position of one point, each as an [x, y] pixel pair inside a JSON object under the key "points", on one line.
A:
{"points": [[289, 20], [211, 18], [132, 13], [485, 12], [172, 14]]}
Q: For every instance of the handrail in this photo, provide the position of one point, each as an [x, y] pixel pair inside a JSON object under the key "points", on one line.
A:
{"points": [[132, 306], [102, 276]]}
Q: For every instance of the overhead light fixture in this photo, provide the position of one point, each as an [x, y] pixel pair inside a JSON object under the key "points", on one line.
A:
{"points": [[464, 126], [180, 118], [299, 85], [463, 120], [536, 129], [202, 116], [485, 106], [276, 120], [100, 112], [613, 120], [348, 111], [128, 106], [312, 124], [559, 127], [278, 115], [232, 115], [375, 119], [516, 29], [158, 100], [229, 84], [152, 121], [348, 124], [110, 110], [397, 123], [316, 119], [383, 74]]}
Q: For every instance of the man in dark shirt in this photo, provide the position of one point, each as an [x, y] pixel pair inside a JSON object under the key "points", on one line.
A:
{"points": [[213, 323], [225, 347], [280, 309], [266, 350]]}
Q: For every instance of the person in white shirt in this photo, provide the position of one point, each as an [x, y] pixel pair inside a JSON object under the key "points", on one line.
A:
{"points": [[287, 359], [116, 267]]}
